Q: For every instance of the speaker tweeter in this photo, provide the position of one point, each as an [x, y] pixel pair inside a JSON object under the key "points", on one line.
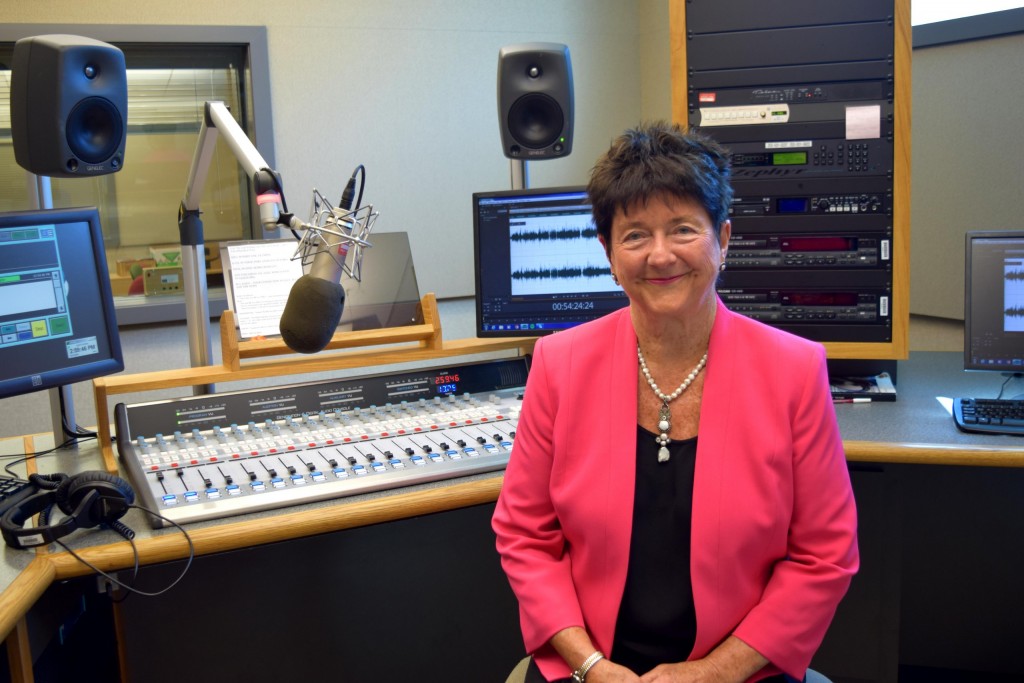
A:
{"points": [[69, 106], [535, 100]]}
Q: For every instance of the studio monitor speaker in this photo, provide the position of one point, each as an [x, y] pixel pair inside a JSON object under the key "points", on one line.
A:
{"points": [[535, 100], [69, 106]]}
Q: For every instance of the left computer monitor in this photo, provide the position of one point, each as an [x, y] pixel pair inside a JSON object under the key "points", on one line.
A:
{"points": [[539, 265], [57, 320]]}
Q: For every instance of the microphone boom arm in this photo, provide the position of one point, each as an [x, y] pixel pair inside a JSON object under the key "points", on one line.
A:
{"points": [[216, 119], [335, 231]]}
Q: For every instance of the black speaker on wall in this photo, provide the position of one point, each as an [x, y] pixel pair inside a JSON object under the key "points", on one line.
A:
{"points": [[535, 100], [69, 106]]}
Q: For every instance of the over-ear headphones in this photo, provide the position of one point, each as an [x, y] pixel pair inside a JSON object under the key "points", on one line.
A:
{"points": [[88, 499]]}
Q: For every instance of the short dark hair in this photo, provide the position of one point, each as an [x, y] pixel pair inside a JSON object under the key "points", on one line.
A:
{"points": [[659, 159]]}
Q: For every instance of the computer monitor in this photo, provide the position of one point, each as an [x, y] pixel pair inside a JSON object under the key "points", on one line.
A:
{"points": [[57, 321], [994, 301], [539, 265]]}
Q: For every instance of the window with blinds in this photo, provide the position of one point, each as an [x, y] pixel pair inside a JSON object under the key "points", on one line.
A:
{"points": [[168, 85]]}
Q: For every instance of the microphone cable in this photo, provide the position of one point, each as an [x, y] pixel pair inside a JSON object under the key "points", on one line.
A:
{"points": [[346, 196]]}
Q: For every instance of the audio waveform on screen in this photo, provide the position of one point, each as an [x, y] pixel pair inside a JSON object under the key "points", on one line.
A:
{"points": [[558, 254], [566, 233], [1013, 297], [563, 272]]}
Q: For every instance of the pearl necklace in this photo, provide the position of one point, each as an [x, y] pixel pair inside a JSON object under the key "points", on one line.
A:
{"points": [[664, 414]]}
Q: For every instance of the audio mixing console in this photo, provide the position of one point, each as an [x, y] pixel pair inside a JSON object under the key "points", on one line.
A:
{"points": [[204, 457]]}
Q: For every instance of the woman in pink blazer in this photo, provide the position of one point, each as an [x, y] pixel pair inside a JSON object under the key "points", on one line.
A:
{"points": [[677, 506]]}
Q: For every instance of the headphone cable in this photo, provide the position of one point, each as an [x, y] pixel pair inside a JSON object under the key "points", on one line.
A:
{"points": [[135, 552]]}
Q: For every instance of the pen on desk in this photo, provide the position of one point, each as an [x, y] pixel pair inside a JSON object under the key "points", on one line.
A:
{"points": [[851, 400]]}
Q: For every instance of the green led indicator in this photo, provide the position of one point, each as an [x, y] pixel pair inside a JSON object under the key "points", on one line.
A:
{"points": [[789, 158]]}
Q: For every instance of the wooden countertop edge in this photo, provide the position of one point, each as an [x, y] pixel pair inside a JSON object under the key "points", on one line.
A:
{"points": [[172, 545], [23, 592], [934, 454]]}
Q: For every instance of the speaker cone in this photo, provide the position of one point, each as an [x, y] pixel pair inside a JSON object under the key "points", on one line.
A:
{"points": [[535, 120], [94, 130]]}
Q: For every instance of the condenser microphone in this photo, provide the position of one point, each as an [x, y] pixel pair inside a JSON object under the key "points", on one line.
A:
{"points": [[316, 300], [313, 310]]}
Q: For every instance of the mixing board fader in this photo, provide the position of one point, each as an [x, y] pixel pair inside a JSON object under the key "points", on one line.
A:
{"points": [[204, 457]]}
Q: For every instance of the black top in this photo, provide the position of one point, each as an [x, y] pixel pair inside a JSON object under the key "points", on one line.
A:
{"points": [[657, 623]]}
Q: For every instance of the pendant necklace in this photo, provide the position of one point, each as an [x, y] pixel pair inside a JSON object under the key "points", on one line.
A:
{"points": [[664, 414]]}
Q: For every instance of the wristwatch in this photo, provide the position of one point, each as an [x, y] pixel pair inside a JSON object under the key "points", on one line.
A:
{"points": [[580, 674]]}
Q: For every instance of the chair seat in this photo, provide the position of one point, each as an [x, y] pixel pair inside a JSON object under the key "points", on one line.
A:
{"points": [[518, 674]]}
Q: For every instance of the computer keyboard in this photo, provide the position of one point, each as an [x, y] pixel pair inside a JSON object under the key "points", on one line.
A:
{"points": [[13, 491], [989, 415]]}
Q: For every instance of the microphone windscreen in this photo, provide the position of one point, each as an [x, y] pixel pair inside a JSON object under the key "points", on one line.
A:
{"points": [[311, 314]]}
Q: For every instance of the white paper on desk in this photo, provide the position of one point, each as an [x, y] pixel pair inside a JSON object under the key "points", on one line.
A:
{"points": [[262, 274], [946, 403], [864, 122]]}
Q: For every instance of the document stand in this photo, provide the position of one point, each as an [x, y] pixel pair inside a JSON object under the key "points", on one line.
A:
{"points": [[257, 359]]}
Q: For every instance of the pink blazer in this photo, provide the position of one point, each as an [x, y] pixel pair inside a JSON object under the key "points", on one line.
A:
{"points": [[774, 543]]}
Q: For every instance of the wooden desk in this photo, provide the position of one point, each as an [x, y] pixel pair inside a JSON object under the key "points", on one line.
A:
{"points": [[879, 437]]}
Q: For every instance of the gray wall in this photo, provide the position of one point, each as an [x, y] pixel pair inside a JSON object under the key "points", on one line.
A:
{"points": [[968, 160]]}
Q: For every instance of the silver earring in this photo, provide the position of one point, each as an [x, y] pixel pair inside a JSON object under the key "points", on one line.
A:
{"points": [[615, 279], [721, 267]]}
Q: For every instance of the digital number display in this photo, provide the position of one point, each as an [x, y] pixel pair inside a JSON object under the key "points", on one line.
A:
{"points": [[821, 299], [819, 244], [572, 306], [446, 384], [792, 205], [789, 158]]}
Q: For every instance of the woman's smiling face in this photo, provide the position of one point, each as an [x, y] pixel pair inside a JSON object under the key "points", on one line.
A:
{"points": [[666, 255]]}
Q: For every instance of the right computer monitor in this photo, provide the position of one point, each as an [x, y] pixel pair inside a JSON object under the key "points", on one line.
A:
{"points": [[994, 301]]}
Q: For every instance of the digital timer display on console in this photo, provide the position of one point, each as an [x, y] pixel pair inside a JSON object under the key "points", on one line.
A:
{"points": [[446, 384]]}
